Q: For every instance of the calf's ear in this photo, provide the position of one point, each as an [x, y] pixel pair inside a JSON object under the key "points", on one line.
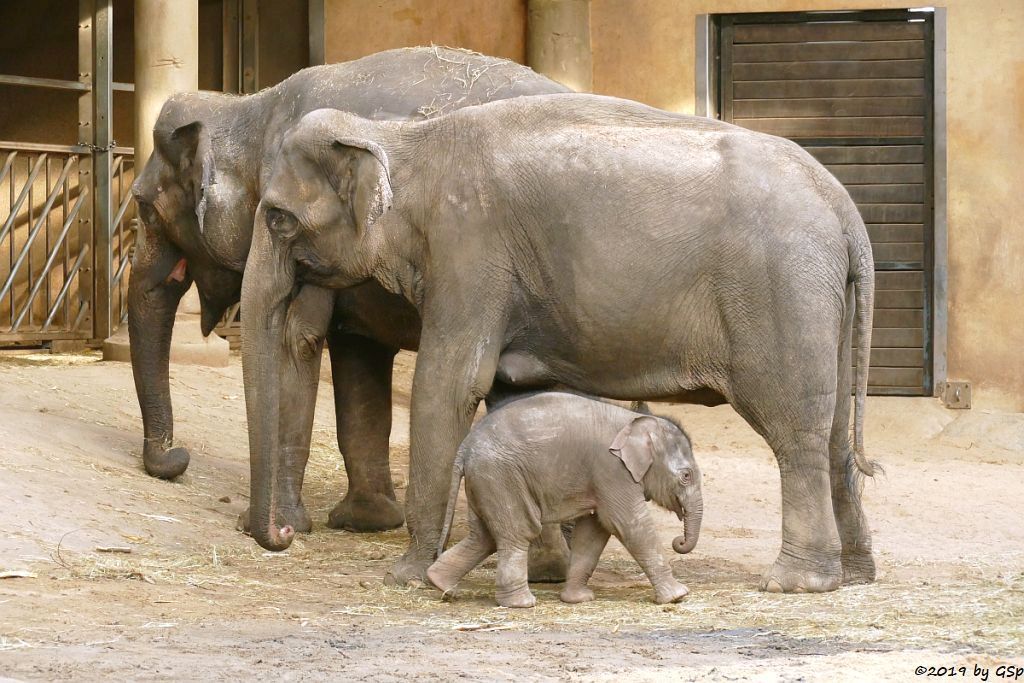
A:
{"points": [[634, 446]]}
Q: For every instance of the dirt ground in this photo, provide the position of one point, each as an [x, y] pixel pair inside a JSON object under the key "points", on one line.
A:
{"points": [[195, 599]]}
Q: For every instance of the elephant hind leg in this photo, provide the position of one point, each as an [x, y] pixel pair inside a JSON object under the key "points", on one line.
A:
{"points": [[513, 589], [549, 556], [857, 560], [361, 372], [589, 539], [792, 408], [461, 558]]}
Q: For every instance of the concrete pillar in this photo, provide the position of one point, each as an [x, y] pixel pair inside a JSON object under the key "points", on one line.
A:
{"points": [[558, 42], [167, 62]]}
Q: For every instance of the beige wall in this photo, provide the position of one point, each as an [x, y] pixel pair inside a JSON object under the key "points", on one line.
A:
{"points": [[356, 28], [644, 49]]}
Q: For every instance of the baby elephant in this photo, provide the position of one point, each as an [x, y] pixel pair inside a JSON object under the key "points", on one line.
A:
{"points": [[556, 457]]}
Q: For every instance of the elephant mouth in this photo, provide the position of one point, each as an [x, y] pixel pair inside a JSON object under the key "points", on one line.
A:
{"points": [[679, 509]]}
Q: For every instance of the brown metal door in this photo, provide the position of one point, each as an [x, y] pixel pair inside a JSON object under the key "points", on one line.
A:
{"points": [[855, 90]]}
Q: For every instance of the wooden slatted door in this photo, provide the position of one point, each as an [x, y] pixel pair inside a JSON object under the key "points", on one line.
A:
{"points": [[855, 90]]}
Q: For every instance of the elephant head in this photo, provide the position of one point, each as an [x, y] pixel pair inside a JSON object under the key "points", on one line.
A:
{"points": [[319, 222], [658, 455], [179, 244]]}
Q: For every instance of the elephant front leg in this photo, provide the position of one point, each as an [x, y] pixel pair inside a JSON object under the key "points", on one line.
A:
{"points": [[361, 372], [589, 539], [632, 524], [452, 376]]}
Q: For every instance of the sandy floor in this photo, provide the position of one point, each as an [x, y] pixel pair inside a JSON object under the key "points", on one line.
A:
{"points": [[197, 600]]}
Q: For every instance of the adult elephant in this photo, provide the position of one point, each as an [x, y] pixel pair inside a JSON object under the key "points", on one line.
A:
{"points": [[197, 195], [595, 243]]}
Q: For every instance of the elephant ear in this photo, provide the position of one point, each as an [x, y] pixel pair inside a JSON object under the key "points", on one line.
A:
{"points": [[184, 150], [634, 446], [361, 175]]}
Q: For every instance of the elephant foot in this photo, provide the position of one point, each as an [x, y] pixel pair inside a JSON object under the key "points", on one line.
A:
{"points": [[791, 575], [547, 565], [521, 598], [670, 592], [576, 594], [441, 579], [858, 568], [294, 516], [165, 463], [410, 567], [366, 513]]}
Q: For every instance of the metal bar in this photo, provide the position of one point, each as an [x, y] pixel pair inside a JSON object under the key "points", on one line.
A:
{"points": [[940, 273], [36, 227], [7, 166], [120, 270], [34, 338], [49, 83], [86, 10], [25, 191], [121, 210], [103, 77], [49, 264], [67, 285], [702, 63], [123, 87]]}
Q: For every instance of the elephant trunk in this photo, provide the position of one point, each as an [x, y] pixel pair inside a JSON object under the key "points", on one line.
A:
{"points": [[693, 514], [265, 300], [153, 298]]}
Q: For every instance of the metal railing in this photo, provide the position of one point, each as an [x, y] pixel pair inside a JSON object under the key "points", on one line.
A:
{"points": [[44, 244]]}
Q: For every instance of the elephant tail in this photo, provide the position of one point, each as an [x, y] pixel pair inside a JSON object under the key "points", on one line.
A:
{"points": [[862, 267], [453, 498]]}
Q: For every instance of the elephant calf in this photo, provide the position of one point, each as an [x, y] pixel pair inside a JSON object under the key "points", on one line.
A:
{"points": [[555, 457]]}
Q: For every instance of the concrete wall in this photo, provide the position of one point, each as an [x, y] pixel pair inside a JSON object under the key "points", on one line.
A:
{"points": [[644, 50], [356, 28]]}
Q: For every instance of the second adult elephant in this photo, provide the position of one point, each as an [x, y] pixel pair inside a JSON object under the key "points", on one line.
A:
{"points": [[595, 243], [197, 195]]}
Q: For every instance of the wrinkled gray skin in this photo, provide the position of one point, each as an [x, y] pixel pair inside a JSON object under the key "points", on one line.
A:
{"points": [[197, 196], [601, 245], [554, 458]]}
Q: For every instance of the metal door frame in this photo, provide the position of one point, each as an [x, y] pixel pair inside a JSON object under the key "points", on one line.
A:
{"points": [[706, 99]]}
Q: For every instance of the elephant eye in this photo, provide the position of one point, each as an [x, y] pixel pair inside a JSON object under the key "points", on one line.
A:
{"points": [[686, 477], [147, 213], [280, 222]]}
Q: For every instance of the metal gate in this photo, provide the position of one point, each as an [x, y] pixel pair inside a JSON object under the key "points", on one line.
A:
{"points": [[67, 220], [855, 89]]}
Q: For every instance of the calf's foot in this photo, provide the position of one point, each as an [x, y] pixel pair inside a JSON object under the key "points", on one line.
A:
{"points": [[366, 513], [576, 594], [670, 592], [522, 598], [412, 566]]}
